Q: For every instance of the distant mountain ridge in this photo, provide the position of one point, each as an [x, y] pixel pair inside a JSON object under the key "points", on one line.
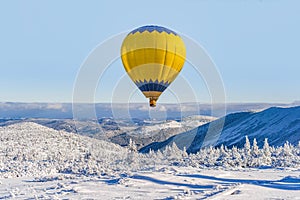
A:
{"points": [[14, 110], [277, 124]]}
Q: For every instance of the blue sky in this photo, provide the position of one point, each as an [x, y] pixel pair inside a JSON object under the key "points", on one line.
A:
{"points": [[254, 44]]}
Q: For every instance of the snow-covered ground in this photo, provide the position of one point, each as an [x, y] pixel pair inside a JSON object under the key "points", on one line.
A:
{"points": [[37, 162], [166, 183]]}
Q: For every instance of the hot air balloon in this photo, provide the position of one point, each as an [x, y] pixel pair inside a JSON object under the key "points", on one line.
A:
{"points": [[153, 56]]}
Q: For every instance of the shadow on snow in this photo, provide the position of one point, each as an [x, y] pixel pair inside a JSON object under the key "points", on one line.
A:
{"points": [[287, 183], [161, 182]]}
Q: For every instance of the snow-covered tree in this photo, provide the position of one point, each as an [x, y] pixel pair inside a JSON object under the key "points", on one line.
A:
{"points": [[246, 153], [132, 146], [266, 156], [172, 152], [247, 146], [254, 160], [159, 157], [287, 149], [236, 158], [211, 156], [223, 156], [255, 149], [184, 153]]}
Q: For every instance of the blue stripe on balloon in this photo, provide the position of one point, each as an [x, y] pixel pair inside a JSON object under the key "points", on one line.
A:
{"points": [[152, 28], [152, 85]]}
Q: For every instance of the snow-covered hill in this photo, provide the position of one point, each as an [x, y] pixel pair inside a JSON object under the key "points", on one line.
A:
{"points": [[29, 149], [277, 124], [120, 131]]}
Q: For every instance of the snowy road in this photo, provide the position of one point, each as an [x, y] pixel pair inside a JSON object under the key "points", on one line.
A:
{"points": [[166, 183]]}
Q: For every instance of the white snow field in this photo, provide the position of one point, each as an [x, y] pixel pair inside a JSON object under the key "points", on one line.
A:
{"points": [[167, 183], [37, 162]]}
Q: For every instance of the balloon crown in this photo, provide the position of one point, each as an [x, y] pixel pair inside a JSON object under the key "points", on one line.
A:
{"points": [[151, 28]]}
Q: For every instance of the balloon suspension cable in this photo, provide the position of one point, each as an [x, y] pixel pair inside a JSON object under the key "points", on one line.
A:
{"points": [[152, 101]]}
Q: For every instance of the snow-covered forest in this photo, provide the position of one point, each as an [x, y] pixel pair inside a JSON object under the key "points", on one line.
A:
{"points": [[37, 162], [32, 149], [248, 157]]}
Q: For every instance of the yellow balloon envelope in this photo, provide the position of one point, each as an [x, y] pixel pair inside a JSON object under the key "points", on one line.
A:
{"points": [[153, 56]]}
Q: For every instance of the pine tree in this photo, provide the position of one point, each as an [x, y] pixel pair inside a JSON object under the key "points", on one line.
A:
{"points": [[132, 146], [285, 157], [132, 157], [223, 156], [298, 150], [159, 157], [255, 149], [175, 152], [211, 156], [255, 153], [247, 147], [266, 157], [184, 153], [236, 157], [287, 147], [167, 152], [151, 153], [247, 152]]}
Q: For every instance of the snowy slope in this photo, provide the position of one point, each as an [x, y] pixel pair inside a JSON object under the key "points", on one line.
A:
{"points": [[31, 149], [277, 124]]}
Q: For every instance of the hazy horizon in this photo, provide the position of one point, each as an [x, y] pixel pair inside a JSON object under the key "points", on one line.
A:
{"points": [[146, 102]]}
